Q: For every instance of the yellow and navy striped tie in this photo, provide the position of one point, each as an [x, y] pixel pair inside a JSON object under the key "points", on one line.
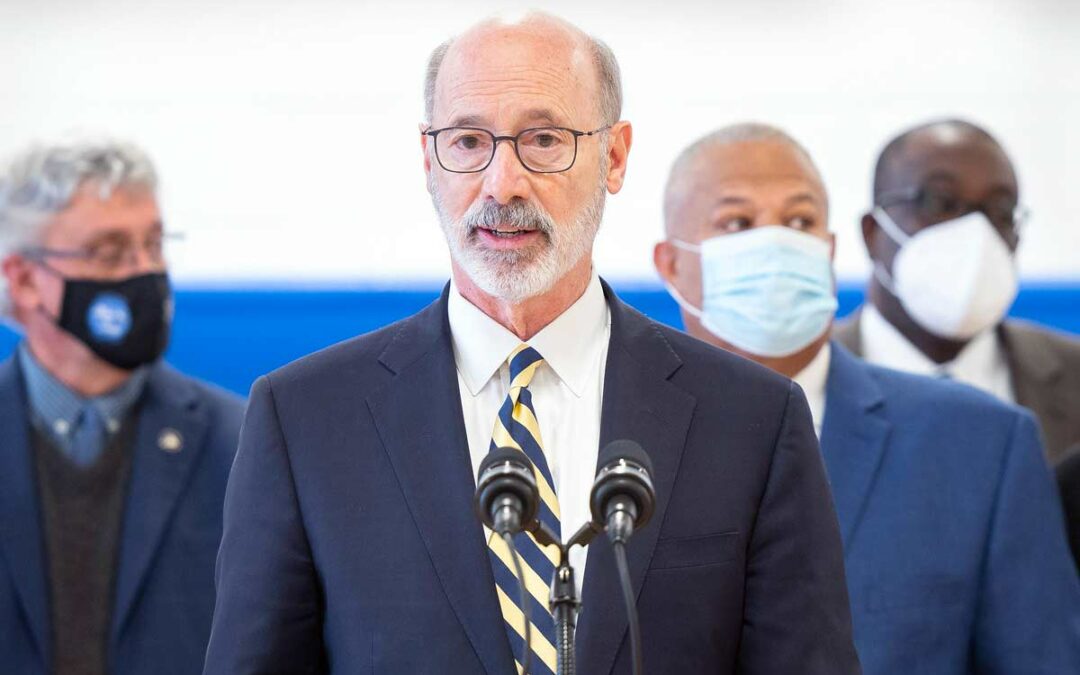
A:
{"points": [[516, 427]]}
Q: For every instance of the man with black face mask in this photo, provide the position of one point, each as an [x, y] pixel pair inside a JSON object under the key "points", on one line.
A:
{"points": [[112, 465]]}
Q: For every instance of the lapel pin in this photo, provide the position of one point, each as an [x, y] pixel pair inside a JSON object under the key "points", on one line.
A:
{"points": [[170, 441]]}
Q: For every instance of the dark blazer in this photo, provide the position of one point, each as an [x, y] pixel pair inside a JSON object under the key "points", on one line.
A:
{"points": [[1045, 370], [350, 544], [954, 541], [1068, 476], [164, 593]]}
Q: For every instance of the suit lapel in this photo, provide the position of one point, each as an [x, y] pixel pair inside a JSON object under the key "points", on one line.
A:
{"points": [[1037, 380], [853, 436], [419, 419], [168, 442], [21, 542], [640, 404]]}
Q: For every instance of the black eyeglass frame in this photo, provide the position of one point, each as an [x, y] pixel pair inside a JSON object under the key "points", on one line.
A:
{"points": [[912, 197], [433, 133], [40, 253]]}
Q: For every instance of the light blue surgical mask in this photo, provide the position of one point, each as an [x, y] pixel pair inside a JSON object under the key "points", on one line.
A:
{"points": [[767, 291]]}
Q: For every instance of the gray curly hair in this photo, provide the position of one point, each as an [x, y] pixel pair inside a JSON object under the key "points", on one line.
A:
{"points": [[41, 181]]}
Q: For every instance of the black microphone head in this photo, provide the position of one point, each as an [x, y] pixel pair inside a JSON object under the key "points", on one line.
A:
{"points": [[625, 449], [506, 472], [625, 471]]}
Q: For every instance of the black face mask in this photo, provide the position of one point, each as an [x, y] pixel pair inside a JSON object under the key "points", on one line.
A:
{"points": [[124, 322]]}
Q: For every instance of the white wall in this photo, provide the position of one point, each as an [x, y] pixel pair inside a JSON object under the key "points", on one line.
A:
{"points": [[286, 130]]}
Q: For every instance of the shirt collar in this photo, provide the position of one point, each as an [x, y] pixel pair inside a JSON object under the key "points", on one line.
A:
{"points": [[570, 344], [885, 345], [57, 407], [813, 379]]}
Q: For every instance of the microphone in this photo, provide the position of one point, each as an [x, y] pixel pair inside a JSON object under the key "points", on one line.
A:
{"points": [[507, 499], [623, 497], [622, 501]]}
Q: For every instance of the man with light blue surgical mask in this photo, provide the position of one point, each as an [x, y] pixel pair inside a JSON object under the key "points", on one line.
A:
{"points": [[946, 506]]}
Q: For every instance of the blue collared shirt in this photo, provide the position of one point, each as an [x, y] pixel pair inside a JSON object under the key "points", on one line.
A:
{"points": [[55, 409]]}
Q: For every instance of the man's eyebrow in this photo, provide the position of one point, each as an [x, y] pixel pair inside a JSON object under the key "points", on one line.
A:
{"points": [[541, 115], [467, 121], [803, 197], [120, 234], [732, 199]]}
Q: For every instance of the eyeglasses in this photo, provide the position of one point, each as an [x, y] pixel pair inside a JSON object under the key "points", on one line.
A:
{"points": [[540, 150], [935, 205], [111, 254]]}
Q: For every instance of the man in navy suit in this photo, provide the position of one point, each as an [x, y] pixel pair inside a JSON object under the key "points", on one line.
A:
{"points": [[112, 465], [954, 542], [350, 545]]}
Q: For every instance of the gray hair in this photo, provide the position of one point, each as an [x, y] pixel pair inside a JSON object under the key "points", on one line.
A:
{"points": [[608, 76], [744, 132], [41, 181]]}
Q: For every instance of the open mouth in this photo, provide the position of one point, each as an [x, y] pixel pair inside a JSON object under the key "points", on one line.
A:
{"points": [[501, 232]]}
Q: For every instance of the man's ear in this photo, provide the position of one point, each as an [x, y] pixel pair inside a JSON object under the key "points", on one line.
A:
{"points": [[832, 246], [424, 138], [869, 232], [18, 273], [622, 135], [665, 260]]}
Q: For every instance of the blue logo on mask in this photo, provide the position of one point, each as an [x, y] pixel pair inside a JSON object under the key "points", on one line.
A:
{"points": [[109, 318]]}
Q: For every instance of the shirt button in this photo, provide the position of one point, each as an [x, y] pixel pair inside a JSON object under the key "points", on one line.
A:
{"points": [[61, 427]]}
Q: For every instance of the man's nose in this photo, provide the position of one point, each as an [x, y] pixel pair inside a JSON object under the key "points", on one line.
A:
{"points": [[506, 178], [141, 260]]}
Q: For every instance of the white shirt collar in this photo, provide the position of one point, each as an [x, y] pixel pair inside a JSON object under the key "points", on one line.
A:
{"points": [[813, 379], [569, 344], [883, 344]]}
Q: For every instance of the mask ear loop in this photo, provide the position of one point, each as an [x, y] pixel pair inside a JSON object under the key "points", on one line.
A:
{"points": [[676, 295], [49, 269], [898, 236]]}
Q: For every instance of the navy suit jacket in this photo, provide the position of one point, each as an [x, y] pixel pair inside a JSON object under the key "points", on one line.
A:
{"points": [[164, 593], [350, 544], [955, 546]]}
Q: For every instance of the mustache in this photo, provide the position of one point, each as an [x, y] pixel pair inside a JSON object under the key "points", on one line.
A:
{"points": [[520, 215]]}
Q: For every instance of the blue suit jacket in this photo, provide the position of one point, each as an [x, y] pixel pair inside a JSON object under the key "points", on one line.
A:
{"points": [[954, 541], [164, 593], [350, 544]]}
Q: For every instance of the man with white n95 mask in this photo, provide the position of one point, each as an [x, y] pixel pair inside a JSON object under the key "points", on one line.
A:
{"points": [[942, 234], [954, 545]]}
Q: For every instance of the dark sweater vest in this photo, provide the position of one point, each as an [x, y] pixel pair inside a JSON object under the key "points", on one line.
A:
{"points": [[82, 510]]}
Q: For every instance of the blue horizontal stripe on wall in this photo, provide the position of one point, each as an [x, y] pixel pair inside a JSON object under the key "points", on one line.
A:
{"points": [[232, 336]]}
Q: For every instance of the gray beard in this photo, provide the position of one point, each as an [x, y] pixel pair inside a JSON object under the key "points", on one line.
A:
{"points": [[514, 276]]}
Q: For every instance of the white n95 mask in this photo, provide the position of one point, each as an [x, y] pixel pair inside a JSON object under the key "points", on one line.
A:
{"points": [[955, 279], [767, 291]]}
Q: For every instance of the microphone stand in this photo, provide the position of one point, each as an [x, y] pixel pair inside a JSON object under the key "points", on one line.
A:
{"points": [[564, 602]]}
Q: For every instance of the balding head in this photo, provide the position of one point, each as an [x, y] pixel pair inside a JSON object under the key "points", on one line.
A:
{"points": [[925, 143], [735, 180], [539, 26], [524, 102], [746, 153]]}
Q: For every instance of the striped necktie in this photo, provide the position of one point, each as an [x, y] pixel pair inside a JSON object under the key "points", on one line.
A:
{"points": [[516, 427]]}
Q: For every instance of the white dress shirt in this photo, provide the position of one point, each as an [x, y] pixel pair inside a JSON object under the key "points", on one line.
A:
{"points": [[813, 380], [981, 363], [567, 393]]}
